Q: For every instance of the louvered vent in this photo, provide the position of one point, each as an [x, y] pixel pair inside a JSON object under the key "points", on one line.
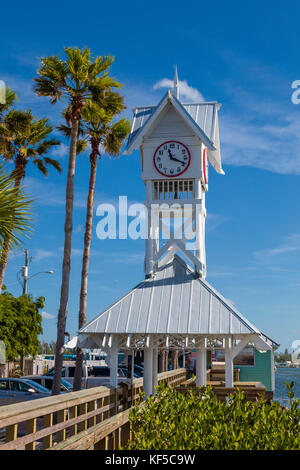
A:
{"points": [[173, 190]]}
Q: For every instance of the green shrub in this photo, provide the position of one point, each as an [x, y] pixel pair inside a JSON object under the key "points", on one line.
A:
{"points": [[175, 421]]}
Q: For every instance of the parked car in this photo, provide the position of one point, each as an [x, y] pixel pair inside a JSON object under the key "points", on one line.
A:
{"points": [[92, 376], [138, 370], [18, 390], [47, 382]]}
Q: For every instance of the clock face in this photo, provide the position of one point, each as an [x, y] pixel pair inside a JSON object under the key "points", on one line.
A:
{"points": [[172, 158]]}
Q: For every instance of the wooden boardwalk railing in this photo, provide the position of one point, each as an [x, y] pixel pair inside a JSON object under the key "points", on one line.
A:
{"points": [[93, 418]]}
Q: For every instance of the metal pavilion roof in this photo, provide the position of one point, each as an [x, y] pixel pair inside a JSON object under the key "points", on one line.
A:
{"points": [[174, 302]]}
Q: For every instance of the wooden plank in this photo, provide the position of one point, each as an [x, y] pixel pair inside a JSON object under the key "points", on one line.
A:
{"points": [[83, 440], [21, 441], [19, 412]]}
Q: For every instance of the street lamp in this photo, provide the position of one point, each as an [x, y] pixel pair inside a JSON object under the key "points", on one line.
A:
{"points": [[24, 272]]}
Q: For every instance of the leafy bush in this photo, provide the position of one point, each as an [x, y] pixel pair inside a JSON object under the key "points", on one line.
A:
{"points": [[172, 420]]}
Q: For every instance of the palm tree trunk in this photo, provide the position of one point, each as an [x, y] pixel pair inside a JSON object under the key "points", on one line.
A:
{"points": [[85, 266], [64, 294]]}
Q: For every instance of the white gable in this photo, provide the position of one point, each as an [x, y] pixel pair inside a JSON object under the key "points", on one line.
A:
{"points": [[170, 125]]}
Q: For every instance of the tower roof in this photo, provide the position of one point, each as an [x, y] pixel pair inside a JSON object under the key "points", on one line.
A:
{"points": [[202, 118]]}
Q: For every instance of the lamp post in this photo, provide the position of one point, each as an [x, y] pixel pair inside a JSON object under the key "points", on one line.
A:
{"points": [[25, 271]]}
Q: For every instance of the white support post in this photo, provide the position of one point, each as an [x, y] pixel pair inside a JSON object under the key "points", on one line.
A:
{"points": [[201, 365], [113, 377], [148, 371], [149, 255], [197, 219], [228, 362], [132, 365], [154, 371]]}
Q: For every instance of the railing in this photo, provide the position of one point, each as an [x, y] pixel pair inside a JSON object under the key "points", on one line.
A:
{"points": [[93, 418]]}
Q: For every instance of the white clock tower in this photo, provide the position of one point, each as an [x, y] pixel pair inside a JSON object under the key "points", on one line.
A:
{"points": [[175, 308], [177, 142]]}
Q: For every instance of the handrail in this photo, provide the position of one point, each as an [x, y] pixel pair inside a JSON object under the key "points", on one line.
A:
{"points": [[69, 414]]}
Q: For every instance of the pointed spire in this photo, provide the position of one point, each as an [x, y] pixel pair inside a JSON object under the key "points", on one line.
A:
{"points": [[176, 84]]}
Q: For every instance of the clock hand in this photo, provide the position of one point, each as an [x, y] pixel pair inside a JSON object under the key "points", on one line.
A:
{"points": [[173, 158], [176, 160]]}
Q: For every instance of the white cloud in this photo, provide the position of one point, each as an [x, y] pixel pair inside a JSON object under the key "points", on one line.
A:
{"points": [[289, 245], [186, 92], [42, 254], [47, 316]]}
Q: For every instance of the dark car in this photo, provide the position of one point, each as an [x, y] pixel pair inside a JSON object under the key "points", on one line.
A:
{"points": [[47, 382], [138, 370], [17, 390]]}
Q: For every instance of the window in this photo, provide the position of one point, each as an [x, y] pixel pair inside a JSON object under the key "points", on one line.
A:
{"points": [[244, 358], [3, 385], [19, 386], [48, 384]]}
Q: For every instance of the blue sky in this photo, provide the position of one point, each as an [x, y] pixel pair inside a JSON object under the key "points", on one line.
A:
{"points": [[243, 55]]}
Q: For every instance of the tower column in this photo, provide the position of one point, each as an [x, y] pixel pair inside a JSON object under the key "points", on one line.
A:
{"points": [[201, 365], [154, 371], [113, 363], [228, 362], [148, 371], [149, 254]]}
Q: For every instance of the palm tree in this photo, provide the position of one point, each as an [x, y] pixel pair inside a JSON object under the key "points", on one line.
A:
{"points": [[24, 138], [104, 137], [78, 78], [10, 98], [15, 220]]}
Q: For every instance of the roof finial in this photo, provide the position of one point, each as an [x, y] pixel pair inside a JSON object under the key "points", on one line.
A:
{"points": [[176, 84]]}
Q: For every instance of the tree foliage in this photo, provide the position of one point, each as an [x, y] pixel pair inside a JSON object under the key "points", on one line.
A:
{"points": [[15, 220], [20, 324], [47, 348], [172, 420], [24, 137]]}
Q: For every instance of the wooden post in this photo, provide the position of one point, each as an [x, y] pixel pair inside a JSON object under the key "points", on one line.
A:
{"points": [[92, 407], [125, 402], [30, 429], [48, 422], [83, 411], [61, 418], [73, 414], [11, 433]]}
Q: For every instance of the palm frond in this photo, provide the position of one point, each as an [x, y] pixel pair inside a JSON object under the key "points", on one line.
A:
{"points": [[15, 214], [52, 162], [10, 98], [82, 145], [114, 139]]}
